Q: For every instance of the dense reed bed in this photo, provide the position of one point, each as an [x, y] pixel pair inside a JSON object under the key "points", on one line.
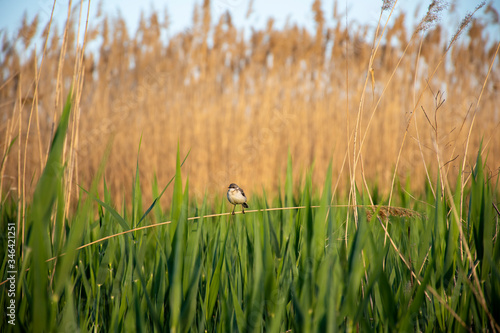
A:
{"points": [[241, 104], [371, 168]]}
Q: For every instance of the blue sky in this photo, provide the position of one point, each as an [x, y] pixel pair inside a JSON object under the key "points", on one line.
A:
{"points": [[296, 11]]}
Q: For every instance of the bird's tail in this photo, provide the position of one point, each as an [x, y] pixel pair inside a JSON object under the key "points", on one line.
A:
{"points": [[245, 205]]}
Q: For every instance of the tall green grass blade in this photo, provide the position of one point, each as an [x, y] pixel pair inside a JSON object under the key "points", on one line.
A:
{"points": [[161, 194], [409, 319], [215, 279], [176, 264], [453, 233], [69, 315], [123, 223], [47, 192], [188, 311], [139, 324], [388, 301], [158, 212], [136, 191], [323, 215], [103, 272], [152, 313], [177, 195], [355, 269], [289, 183], [439, 234], [272, 232], [240, 316], [77, 230]]}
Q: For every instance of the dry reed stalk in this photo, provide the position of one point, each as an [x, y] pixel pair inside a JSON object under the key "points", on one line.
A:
{"points": [[20, 180], [23, 178], [430, 17], [370, 74], [475, 285], [78, 77]]}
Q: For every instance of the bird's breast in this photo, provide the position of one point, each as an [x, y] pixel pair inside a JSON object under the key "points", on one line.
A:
{"points": [[235, 197]]}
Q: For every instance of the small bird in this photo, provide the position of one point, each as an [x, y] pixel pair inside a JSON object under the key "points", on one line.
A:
{"points": [[236, 196]]}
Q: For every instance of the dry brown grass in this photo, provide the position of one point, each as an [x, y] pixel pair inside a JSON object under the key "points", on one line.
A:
{"points": [[240, 105], [385, 212]]}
